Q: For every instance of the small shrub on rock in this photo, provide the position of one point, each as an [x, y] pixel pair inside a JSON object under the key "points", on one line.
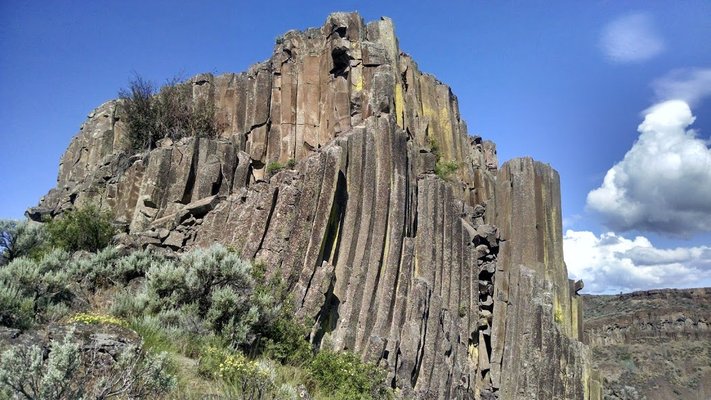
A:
{"points": [[444, 169], [139, 114], [170, 112], [274, 167]]}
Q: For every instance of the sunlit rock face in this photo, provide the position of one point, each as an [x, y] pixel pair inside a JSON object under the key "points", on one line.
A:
{"points": [[653, 344], [327, 167]]}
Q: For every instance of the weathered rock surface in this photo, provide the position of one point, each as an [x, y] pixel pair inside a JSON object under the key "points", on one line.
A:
{"points": [[653, 344], [456, 286]]}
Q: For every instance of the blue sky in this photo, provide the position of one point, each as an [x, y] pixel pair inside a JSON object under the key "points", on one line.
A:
{"points": [[565, 82]]}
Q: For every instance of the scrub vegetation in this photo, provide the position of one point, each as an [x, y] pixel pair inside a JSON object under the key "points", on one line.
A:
{"points": [[172, 111], [204, 323]]}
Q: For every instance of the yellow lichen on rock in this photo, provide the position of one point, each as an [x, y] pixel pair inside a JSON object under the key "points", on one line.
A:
{"points": [[399, 106]]}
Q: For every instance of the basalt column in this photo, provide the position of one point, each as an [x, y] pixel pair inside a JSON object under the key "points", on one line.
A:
{"points": [[536, 348]]}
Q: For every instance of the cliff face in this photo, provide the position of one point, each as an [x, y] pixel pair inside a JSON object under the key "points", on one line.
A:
{"points": [[652, 344], [384, 257]]}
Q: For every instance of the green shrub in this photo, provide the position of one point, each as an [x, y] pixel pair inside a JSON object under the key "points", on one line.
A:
{"points": [[291, 163], [67, 373], [213, 291], [16, 310], [444, 169], [244, 378], [344, 376], [23, 370], [136, 264], [140, 114], [274, 167], [171, 112], [94, 270], [46, 289], [463, 309], [434, 147], [107, 268], [287, 341], [31, 290], [86, 228], [204, 291], [21, 239], [277, 334]]}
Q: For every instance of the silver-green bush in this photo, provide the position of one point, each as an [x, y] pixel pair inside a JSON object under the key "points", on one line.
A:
{"points": [[69, 373], [21, 239]]}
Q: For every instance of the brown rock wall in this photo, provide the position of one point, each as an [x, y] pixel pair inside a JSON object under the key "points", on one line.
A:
{"points": [[383, 257], [536, 310]]}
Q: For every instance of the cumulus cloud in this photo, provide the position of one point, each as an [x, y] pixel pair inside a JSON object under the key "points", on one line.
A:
{"points": [[611, 263], [631, 38], [688, 84], [663, 184]]}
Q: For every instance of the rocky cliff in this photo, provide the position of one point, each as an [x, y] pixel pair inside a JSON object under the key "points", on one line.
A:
{"points": [[457, 286], [652, 345]]}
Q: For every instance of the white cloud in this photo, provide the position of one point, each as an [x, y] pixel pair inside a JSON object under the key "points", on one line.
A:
{"points": [[663, 184], [631, 38], [611, 263], [688, 84]]}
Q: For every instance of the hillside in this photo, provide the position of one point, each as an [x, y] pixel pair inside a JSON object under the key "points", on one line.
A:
{"points": [[653, 345]]}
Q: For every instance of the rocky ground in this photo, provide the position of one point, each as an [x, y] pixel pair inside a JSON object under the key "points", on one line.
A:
{"points": [[652, 345]]}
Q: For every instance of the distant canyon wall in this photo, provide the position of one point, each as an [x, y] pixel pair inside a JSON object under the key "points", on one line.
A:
{"points": [[653, 344]]}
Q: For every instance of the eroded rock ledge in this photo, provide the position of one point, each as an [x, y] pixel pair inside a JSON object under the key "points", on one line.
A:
{"points": [[653, 344], [456, 286]]}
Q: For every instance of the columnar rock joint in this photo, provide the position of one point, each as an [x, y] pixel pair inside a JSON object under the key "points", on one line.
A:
{"points": [[382, 256]]}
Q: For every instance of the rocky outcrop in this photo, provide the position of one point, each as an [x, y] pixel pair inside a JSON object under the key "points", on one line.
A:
{"points": [[652, 344], [324, 169], [537, 328]]}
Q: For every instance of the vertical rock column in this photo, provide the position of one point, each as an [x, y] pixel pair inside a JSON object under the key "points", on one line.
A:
{"points": [[536, 352]]}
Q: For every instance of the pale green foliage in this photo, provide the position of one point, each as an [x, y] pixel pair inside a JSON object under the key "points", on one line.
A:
{"points": [[287, 392], [135, 264], [212, 285], [95, 270], [67, 373], [444, 169], [204, 291], [274, 167], [244, 378], [43, 290], [29, 288], [16, 310], [21, 239], [24, 373], [130, 303], [107, 267]]}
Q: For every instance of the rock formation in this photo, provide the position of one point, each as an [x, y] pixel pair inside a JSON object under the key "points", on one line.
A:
{"points": [[457, 286], [653, 344]]}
